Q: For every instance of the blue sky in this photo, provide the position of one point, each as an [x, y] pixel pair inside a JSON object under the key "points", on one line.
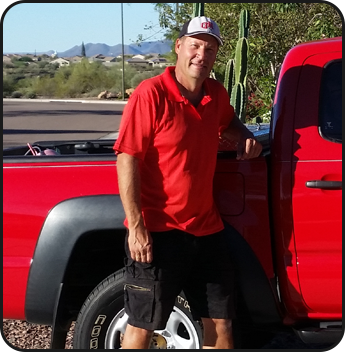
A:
{"points": [[30, 27]]}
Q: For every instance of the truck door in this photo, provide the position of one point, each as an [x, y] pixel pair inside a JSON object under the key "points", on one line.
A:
{"points": [[317, 187]]}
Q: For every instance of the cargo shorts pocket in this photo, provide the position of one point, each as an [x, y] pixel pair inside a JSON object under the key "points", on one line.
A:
{"points": [[137, 270], [139, 301]]}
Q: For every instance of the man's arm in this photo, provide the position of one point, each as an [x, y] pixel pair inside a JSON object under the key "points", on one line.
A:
{"points": [[248, 147], [139, 238]]}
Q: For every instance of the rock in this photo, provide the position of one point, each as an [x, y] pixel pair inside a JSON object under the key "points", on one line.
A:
{"points": [[111, 95], [103, 95], [129, 91]]}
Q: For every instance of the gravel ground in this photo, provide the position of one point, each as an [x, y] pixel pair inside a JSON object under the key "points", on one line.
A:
{"points": [[24, 335]]}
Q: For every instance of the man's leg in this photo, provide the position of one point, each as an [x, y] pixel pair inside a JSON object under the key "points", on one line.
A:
{"points": [[136, 338], [150, 291], [217, 334]]}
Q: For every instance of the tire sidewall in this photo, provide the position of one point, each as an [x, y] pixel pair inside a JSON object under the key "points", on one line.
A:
{"points": [[103, 304]]}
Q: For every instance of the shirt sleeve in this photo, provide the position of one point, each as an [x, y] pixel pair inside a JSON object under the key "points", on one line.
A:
{"points": [[136, 126]]}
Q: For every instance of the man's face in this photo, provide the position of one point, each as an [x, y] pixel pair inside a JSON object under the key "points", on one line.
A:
{"points": [[196, 55]]}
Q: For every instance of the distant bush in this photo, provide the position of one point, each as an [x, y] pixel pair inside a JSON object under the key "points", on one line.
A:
{"points": [[44, 86], [16, 94], [25, 59], [139, 77], [18, 74], [42, 64], [24, 83], [7, 65], [86, 76], [30, 94], [8, 85], [54, 67], [19, 64]]}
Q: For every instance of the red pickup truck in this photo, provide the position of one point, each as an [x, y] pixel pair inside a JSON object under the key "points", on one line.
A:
{"points": [[63, 232]]}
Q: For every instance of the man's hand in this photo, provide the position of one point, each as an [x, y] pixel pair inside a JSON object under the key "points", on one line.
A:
{"points": [[248, 148], [140, 245]]}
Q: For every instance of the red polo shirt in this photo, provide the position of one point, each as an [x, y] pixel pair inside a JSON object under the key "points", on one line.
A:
{"points": [[177, 145]]}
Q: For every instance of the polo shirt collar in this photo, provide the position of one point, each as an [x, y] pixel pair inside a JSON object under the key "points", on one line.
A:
{"points": [[170, 84], [173, 91]]}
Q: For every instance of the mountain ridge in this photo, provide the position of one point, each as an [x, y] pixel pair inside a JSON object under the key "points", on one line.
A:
{"points": [[91, 49]]}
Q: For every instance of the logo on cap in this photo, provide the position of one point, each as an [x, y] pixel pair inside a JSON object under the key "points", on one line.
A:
{"points": [[207, 25]]}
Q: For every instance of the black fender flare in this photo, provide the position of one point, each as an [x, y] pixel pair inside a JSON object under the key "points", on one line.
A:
{"points": [[64, 225], [258, 294]]}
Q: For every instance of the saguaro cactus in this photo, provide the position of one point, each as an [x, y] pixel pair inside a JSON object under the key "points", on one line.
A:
{"points": [[198, 9], [238, 97], [235, 80], [241, 60], [244, 24], [229, 78]]}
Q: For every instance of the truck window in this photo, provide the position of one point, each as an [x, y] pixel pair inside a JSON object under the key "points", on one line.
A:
{"points": [[330, 113]]}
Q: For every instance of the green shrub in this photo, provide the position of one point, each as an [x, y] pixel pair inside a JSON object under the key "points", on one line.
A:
{"points": [[45, 86], [42, 64], [25, 59], [7, 65], [19, 64], [24, 83], [138, 78], [87, 76], [16, 94], [8, 85], [30, 94]]}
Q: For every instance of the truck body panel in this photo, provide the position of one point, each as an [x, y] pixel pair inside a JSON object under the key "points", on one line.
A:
{"points": [[309, 219], [32, 190]]}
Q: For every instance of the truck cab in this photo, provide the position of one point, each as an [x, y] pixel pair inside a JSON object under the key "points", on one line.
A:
{"points": [[306, 182]]}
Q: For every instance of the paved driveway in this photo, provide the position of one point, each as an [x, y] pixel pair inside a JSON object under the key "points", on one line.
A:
{"points": [[27, 121]]}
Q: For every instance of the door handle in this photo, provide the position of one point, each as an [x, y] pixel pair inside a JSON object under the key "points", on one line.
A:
{"points": [[328, 185]]}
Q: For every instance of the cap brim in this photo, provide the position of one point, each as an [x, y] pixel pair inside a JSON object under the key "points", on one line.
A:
{"points": [[220, 41]]}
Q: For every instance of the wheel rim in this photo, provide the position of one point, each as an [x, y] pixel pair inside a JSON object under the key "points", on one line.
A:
{"points": [[179, 333]]}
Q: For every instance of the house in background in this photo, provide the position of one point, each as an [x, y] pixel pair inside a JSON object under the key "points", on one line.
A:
{"points": [[139, 63], [110, 61], [75, 59], [139, 56], [97, 57], [160, 62], [60, 61]]}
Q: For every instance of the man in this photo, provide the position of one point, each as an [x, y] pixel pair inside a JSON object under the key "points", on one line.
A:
{"points": [[166, 157]]}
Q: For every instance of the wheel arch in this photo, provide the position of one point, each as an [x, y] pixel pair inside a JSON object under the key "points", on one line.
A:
{"points": [[67, 223], [258, 302]]}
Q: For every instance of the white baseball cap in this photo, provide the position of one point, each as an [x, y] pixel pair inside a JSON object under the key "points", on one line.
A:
{"points": [[201, 25]]}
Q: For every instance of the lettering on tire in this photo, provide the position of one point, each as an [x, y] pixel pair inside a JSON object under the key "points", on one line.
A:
{"points": [[183, 302], [96, 330]]}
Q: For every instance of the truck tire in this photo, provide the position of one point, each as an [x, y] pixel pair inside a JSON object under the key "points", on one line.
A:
{"points": [[102, 320]]}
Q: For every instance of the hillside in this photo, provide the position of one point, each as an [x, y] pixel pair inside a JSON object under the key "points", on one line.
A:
{"points": [[91, 49]]}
